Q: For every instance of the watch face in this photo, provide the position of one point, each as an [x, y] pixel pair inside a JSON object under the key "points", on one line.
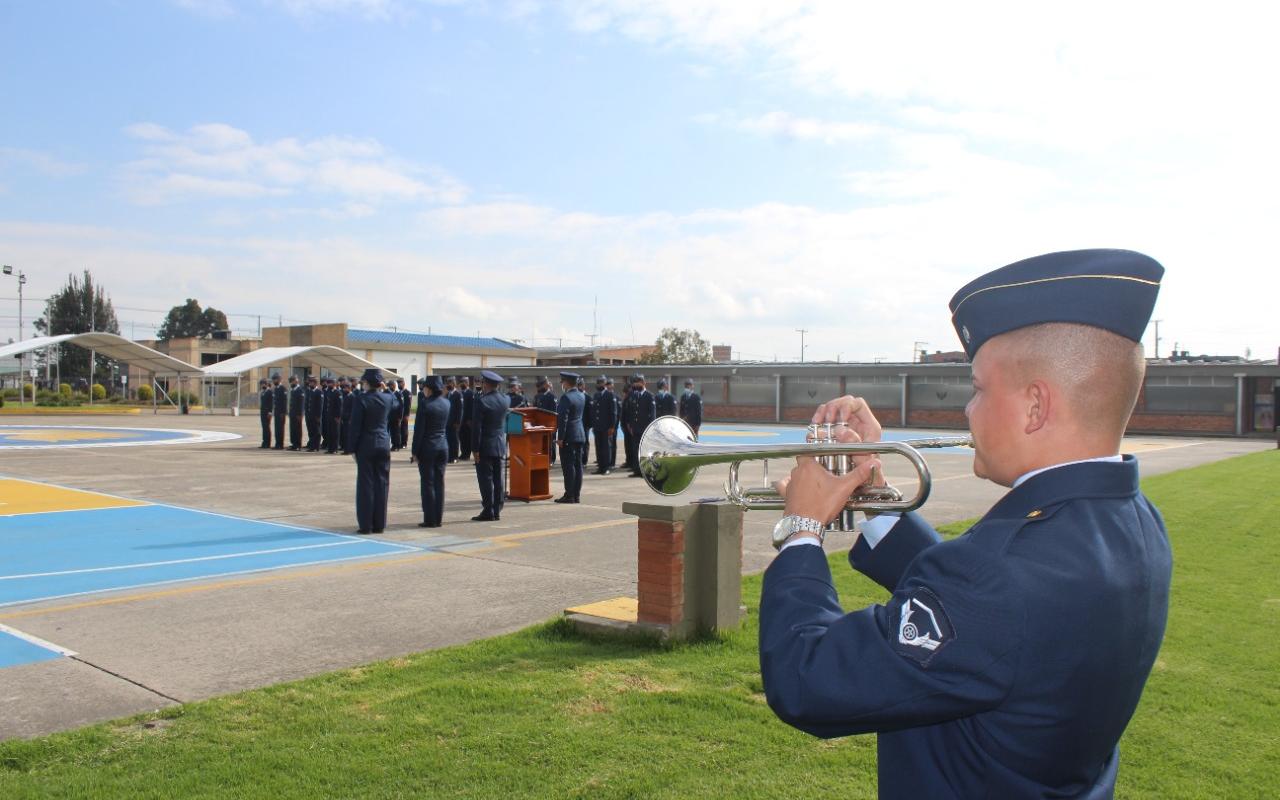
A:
{"points": [[782, 531]]}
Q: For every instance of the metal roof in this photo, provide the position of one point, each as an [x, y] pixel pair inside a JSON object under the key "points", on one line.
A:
{"points": [[111, 346], [325, 356], [366, 336]]}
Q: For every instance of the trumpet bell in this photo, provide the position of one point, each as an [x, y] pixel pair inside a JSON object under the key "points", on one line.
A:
{"points": [[666, 437]]}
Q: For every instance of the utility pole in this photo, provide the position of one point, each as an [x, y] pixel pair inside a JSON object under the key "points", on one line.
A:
{"points": [[802, 332], [1157, 322], [22, 357]]}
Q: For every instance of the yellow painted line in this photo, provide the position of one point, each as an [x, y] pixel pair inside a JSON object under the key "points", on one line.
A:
{"points": [[29, 497], [622, 609], [590, 526]]}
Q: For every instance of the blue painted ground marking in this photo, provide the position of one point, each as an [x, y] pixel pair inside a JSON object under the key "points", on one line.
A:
{"points": [[15, 650], [65, 553]]}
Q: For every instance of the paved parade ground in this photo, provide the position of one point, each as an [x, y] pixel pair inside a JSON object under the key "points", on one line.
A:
{"points": [[135, 577]]}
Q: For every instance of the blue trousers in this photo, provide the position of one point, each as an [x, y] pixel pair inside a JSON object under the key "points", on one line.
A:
{"points": [[489, 474], [373, 486], [431, 483], [265, 418], [571, 466]]}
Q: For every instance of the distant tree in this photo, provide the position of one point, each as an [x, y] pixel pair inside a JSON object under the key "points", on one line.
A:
{"points": [[189, 320], [80, 307], [679, 346]]}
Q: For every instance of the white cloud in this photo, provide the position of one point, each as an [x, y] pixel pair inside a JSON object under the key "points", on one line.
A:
{"points": [[783, 125], [41, 162], [218, 160]]}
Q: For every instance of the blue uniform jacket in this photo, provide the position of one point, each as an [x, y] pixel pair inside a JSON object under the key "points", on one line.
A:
{"points": [[545, 400], [643, 410], [297, 401], [569, 417], [606, 411], [368, 429], [1007, 661], [691, 408], [429, 425], [314, 402], [455, 407], [280, 403], [665, 403], [264, 401], [491, 410], [348, 402]]}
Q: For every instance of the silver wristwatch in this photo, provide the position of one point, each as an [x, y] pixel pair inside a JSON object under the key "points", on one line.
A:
{"points": [[792, 524]]}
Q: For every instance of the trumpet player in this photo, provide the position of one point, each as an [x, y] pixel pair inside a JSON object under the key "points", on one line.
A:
{"points": [[1008, 661]]}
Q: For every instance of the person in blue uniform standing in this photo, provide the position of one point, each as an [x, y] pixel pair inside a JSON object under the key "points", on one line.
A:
{"points": [[279, 408], [1008, 661], [467, 429], [664, 401], [297, 408], [490, 446], [588, 420], [313, 411], [545, 399], [617, 415], [405, 395], [430, 449], [370, 442], [332, 417], [264, 412], [454, 398], [691, 407], [604, 425], [570, 436], [644, 410], [515, 394], [348, 402], [393, 422]]}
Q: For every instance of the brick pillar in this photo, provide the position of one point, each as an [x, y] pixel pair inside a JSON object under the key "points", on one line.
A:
{"points": [[660, 573]]}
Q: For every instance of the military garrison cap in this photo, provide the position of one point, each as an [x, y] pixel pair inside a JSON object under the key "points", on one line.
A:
{"points": [[1110, 289], [490, 376], [434, 383], [569, 376], [372, 375]]}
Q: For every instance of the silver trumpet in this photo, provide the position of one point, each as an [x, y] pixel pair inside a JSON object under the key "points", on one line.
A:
{"points": [[670, 457]]}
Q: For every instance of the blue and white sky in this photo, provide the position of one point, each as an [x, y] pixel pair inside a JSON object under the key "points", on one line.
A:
{"points": [[742, 167]]}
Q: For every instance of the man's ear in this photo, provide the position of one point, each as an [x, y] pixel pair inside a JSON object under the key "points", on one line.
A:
{"points": [[1039, 401]]}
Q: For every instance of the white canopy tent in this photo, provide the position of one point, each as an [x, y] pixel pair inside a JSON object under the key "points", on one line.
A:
{"points": [[112, 346], [324, 356]]}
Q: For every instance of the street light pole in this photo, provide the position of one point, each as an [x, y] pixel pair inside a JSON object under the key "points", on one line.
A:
{"points": [[22, 381], [802, 332]]}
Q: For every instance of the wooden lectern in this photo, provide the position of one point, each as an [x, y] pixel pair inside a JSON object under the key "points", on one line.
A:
{"points": [[530, 437]]}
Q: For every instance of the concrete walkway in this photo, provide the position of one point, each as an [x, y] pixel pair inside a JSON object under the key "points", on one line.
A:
{"points": [[146, 648]]}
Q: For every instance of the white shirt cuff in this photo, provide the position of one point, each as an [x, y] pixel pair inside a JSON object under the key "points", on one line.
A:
{"points": [[798, 540], [876, 528]]}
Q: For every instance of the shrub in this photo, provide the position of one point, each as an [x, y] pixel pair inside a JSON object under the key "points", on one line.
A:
{"points": [[64, 389], [99, 392], [9, 394], [145, 393], [28, 390]]}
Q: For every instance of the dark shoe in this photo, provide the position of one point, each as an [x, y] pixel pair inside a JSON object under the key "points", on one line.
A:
{"points": [[363, 531], [278, 447], [425, 525], [563, 500], [483, 518], [377, 530]]}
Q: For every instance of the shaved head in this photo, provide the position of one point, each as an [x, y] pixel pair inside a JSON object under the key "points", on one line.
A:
{"points": [[1099, 373]]}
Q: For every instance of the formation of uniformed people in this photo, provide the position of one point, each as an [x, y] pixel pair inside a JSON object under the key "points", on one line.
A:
{"points": [[453, 421], [1006, 662]]}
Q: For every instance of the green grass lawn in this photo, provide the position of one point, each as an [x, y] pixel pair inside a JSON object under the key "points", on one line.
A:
{"points": [[544, 713]]}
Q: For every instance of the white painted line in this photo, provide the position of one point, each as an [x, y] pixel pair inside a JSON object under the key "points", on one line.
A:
{"points": [[348, 536], [253, 571], [190, 437], [147, 564], [37, 641]]}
